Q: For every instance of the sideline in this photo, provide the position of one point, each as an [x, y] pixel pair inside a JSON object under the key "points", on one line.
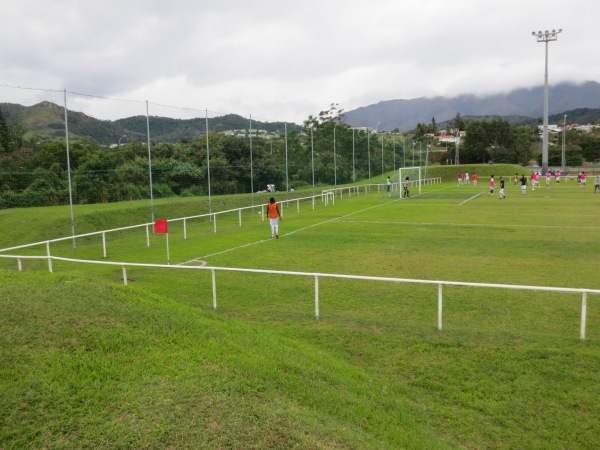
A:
{"points": [[451, 224]]}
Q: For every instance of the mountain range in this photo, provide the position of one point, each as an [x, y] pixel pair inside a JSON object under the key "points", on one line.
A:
{"points": [[519, 107], [46, 120], [525, 103]]}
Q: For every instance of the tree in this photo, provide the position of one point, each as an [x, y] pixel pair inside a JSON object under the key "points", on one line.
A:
{"points": [[334, 115], [433, 128], [5, 140], [474, 146], [495, 139], [458, 124]]}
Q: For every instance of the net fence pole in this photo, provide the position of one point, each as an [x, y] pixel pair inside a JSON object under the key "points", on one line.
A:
{"points": [[251, 169], [353, 162], [382, 169], [149, 162], [69, 170], [208, 165], [312, 161], [369, 152], [334, 161], [287, 180]]}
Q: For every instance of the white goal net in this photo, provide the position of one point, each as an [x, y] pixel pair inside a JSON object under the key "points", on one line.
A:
{"points": [[413, 182]]}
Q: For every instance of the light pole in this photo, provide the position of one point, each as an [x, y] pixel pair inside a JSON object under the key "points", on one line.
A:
{"points": [[121, 138], [545, 36]]}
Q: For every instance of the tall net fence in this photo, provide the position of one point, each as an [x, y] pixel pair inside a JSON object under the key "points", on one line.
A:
{"points": [[60, 147]]}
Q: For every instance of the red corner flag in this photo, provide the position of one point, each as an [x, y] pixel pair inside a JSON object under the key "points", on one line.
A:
{"points": [[160, 226]]}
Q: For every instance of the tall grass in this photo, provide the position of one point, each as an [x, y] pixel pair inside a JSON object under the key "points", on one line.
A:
{"points": [[88, 362]]}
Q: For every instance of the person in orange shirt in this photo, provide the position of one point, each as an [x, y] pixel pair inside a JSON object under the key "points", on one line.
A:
{"points": [[274, 217]]}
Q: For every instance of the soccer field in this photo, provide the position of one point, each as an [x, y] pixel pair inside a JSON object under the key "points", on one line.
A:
{"points": [[548, 237], [507, 371]]}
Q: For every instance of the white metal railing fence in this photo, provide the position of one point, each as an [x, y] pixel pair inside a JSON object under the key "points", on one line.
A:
{"points": [[584, 292], [212, 216]]}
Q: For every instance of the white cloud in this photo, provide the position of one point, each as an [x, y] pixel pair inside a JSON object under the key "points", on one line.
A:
{"points": [[283, 60]]}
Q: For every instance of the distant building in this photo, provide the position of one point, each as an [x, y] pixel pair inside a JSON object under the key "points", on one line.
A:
{"points": [[450, 138]]}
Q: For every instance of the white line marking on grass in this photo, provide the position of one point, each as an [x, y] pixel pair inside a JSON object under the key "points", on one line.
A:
{"points": [[195, 261], [469, 199]]}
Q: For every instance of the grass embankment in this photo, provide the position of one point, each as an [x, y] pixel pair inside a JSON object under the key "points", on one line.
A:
{"points": [[88, 362]]}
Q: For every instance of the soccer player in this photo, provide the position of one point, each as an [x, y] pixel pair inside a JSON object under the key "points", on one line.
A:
{"points": [[557, 176], [583, 179], [548, 178], [406, 187], [274, 217], [460, 178], [523, 184], [597, 183], [491, 185], [466, 177], [474, 179], [516, 179], [389, 184], [502, 188]]}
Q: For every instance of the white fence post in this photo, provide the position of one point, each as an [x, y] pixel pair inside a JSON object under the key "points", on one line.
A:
{"points": [[214, 289], [440, 304], [49, 257], [583, 315], [240, 217], [124, 275], [104, 244], [184, 230], [214, 222], [316, 297], [147, 236], [19, 265]]}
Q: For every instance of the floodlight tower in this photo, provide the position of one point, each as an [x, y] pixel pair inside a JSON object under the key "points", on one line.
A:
{"points": [[546, 36]]}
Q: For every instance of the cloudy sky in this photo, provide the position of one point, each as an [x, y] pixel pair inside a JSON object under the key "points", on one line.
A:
{"points": [[284, 60]]}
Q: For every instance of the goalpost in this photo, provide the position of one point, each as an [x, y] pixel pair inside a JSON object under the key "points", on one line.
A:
{"points": [[414, 178]]}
